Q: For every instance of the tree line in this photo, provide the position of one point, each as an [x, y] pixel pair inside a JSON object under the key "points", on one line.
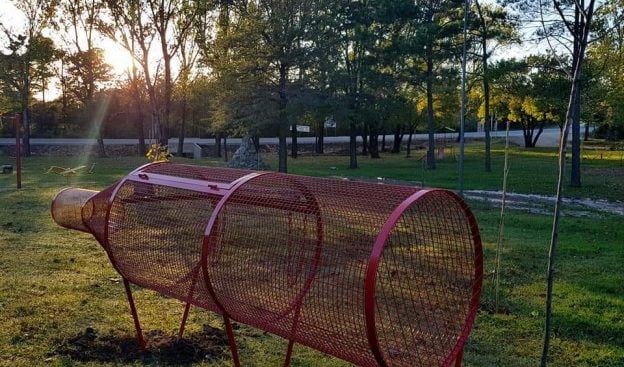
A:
{"points": [[224, 68]]}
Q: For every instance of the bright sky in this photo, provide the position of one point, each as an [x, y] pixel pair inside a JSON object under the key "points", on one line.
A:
{"points": [[115, 55]]}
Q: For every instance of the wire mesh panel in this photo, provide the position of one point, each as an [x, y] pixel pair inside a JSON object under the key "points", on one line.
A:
{"points": [[373, 274], [428, 282], [67, 208]]}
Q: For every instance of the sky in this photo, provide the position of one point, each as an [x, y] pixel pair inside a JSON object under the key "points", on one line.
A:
{"points": [[115, 55]]}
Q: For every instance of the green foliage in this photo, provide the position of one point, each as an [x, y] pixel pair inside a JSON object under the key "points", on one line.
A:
{"points": [[605, 62], [86, 71], [531, 93]]}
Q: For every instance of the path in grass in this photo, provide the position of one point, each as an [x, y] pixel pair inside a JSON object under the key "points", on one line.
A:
{"points": [[541, 204], [532, 203]]}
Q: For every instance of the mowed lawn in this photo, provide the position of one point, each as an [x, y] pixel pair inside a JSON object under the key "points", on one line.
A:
{"points": [[57, 284]]}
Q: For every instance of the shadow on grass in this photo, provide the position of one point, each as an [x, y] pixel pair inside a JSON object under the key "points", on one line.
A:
{"points": [[88, 346], [575, 328]]}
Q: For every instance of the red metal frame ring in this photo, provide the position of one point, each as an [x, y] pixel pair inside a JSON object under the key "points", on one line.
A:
{"points": [[208, 230], [214, 220], [373, 266], [457, 351], [111, 199]]}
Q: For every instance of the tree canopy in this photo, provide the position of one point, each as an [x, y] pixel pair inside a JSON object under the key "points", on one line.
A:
{"points": [[233, 67]]}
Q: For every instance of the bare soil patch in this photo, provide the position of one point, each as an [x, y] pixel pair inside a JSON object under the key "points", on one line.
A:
{"points": [[211, 344]]}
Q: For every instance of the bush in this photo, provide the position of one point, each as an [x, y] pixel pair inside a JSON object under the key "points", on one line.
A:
{"points": [[610, 132]]}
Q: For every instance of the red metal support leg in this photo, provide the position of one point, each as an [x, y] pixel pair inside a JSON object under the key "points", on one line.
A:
{"points": [[231, 340], [293, 332], [460, 357], [291, 344], [183, 322], [135, 316], [188, 300]]}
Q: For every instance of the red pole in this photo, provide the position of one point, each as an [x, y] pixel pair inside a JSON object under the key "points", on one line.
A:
{"points": [[18, 152]]}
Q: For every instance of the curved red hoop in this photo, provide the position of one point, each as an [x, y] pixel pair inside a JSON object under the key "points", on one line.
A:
{"points": [[476, 290], [211, 223], [373, 266], [111, 199]]}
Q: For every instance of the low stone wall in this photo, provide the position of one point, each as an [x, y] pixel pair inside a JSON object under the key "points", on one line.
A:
{"points": [[302, 148], [112, 150], [119, 150]]}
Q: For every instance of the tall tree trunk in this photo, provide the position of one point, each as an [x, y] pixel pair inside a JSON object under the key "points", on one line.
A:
{"points": [[575, 173], [26, 110], [138, 105], [139, 120], [486, 89], [218, 144], [64, 99], [408, 151], [364, 142], [352, 145], [168, 89], [581, 39], [182, 130], [319, 149], [283, 120], [539, 132], [488, 118], [398, 139], [100, 142], [431, 163], [586, 138], [374, 144], [256, 142], [153, 100], [225, 148], [293, 142], [528, 137], [383, 140], [138, 125]]}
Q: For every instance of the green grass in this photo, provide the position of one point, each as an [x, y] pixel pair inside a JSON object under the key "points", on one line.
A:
{"points": [[55, 283], [531, 170]]}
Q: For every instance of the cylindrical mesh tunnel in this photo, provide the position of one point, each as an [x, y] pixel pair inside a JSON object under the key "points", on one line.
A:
{"points": [[373, 274]]}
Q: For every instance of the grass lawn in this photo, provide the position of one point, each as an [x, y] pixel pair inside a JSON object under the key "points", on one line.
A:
{"points": [[531, 170], [55, 283]]}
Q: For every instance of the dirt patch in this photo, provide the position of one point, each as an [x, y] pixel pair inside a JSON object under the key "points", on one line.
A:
{"points": [[211, 344], [540, 204]]}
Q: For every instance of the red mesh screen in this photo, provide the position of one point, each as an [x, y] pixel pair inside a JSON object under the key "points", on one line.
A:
{"points": [[94, 214], [368, 273]]}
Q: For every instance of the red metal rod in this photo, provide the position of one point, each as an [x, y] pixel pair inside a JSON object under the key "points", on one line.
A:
{"points": [[293, 333], [230, 334], [370, 281], [184, 317], [189, 300], [135, 316], [460, 356], [18, 152]]}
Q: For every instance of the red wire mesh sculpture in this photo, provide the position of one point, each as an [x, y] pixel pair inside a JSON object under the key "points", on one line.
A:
{"points": [[372, 274]]}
